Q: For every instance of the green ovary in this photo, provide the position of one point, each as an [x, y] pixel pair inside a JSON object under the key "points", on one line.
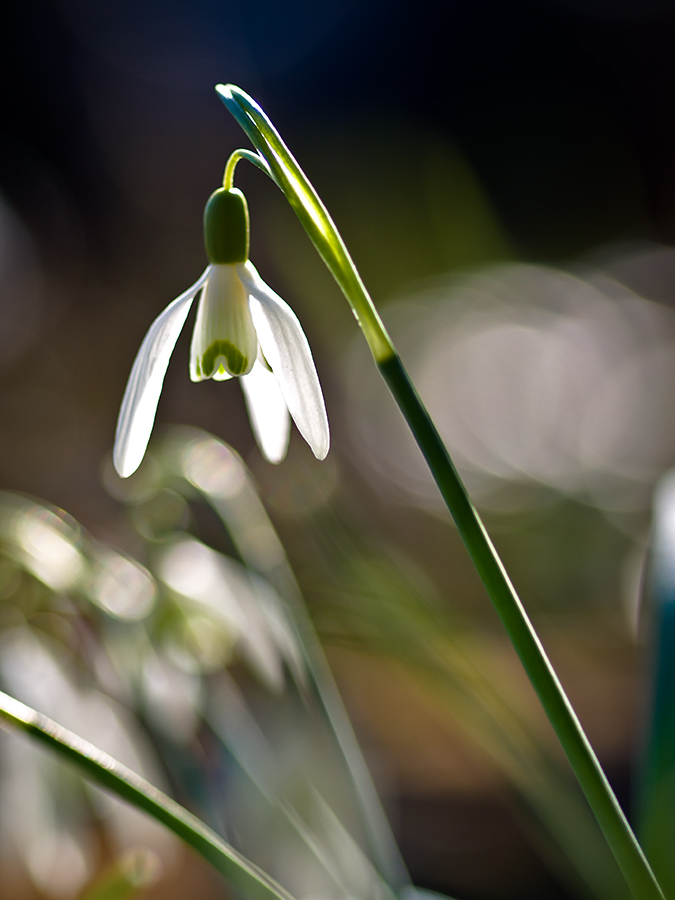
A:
{"points": [[235, 361]]}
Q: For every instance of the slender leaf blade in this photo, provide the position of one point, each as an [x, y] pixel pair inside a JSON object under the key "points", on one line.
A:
{"points": [[101, 768]]}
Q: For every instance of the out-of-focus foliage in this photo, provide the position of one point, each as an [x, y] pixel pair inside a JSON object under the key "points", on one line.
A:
{"points": [[656, 774], [126, 878], [191, 670], [543, 382], [200, 669]]}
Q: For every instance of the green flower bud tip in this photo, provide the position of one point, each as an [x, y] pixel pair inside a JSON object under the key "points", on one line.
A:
{"points": [[226, 227]]}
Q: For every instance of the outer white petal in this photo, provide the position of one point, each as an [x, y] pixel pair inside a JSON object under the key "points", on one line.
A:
{"points": [[267, 411], [137, 413], [286, 349]]}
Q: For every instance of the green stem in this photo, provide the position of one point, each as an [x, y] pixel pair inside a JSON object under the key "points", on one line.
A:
{"points": [[97, 766], [315, 218], [235, 157], [578, 750], [310, 210]]}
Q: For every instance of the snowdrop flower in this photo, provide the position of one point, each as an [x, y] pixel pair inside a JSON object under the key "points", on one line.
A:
{"points": [[242, 329]]}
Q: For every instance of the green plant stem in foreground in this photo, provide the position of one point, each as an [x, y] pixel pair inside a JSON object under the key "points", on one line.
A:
{"points": [[97, 766], [318, 224], [580, 754]]}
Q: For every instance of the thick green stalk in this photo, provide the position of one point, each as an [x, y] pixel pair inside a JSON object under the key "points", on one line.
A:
{"points": [[97, 766], [579, 752], [656, 781], [656, 806], [313, 215]]}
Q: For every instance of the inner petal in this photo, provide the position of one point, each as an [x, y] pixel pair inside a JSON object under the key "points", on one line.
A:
{"points": [[221, 357], [224, 341]]}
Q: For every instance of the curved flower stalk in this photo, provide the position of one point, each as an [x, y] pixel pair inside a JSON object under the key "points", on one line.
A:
{"points": [[243, 329]]}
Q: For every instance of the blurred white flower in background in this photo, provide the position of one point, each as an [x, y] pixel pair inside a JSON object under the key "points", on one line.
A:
{"points": [[536, 378], [48, 834]]}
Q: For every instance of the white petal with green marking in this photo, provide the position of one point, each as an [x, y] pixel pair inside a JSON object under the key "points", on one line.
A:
{"points": [[224, 341]]}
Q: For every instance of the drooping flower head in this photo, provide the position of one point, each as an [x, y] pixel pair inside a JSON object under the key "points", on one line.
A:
{"points": [[243, 329]]}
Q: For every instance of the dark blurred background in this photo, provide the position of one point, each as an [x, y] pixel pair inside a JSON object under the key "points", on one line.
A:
{"points": [[444, 138], [538, 131]]}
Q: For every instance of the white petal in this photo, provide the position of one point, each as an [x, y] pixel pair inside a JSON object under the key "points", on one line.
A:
{"points": [[137, 413], [267, 411], [286, 349], [223, 341]]}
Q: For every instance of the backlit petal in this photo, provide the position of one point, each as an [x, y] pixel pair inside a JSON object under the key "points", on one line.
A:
{"points": [[286, 349], [137, 413], [267, 411], [223, 341]]}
